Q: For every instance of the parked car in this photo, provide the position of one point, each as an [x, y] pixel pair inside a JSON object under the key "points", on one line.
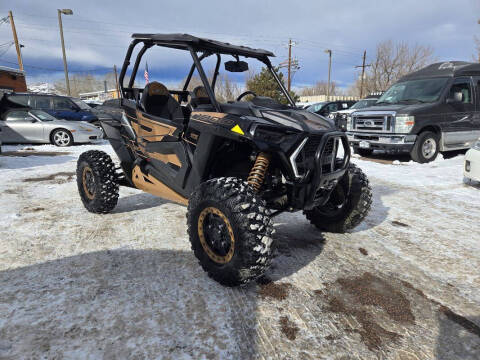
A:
{"points": [[92, 103], [61, 107], [430, 110], [327, 107], [37, 126], [340, 117], [472, 162]]}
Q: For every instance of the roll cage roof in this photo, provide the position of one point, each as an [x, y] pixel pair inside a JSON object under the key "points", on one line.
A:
{"points": [[193, 44]]}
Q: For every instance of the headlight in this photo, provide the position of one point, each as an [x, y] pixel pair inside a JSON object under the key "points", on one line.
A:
{"points": [[404, 123], [269, 136], [476, 146], [84, 128], [349, 123]]}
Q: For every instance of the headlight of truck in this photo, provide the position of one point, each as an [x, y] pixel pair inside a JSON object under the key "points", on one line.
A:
{"points": [[476, 146], [404, 123], [349, 123]]}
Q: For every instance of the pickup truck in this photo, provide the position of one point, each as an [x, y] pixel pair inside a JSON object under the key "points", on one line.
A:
{"points": [[433, 109]]}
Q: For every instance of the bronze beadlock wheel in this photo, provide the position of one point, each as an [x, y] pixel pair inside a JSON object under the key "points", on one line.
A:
{"points": [[88, 181], [216, 235], [230, 230]]}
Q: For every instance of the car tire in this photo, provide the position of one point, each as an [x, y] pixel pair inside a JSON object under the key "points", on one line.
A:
{"points": [[347, 206], [426, 147], [362, 152], [61, 138], [230, 231], [97, 181]]}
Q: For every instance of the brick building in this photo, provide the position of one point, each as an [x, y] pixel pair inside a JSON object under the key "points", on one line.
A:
{"points": [[12, 80]]}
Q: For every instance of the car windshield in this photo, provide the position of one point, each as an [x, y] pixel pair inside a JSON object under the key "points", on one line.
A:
{"points": [[363, 103], [414, 91], [81, 104], [316, 107], [42, 115]]}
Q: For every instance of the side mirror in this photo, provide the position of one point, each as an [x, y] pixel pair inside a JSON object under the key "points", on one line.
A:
{"points": [[236, 66], [456, 98]]}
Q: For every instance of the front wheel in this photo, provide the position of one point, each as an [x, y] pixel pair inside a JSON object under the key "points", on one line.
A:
{"points": [[426, 147], [97, 181], [230, 231], [62, 137], [348, 205]]}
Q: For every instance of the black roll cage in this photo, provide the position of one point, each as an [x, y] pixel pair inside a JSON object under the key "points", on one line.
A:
{"points": [[130, 92]]}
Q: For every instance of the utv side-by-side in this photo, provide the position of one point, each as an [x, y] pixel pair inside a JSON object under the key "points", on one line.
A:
{"points": [[234, 164]]}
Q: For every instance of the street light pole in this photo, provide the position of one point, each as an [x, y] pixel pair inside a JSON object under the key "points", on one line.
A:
{"points": [[65, 67], [329, 52]]}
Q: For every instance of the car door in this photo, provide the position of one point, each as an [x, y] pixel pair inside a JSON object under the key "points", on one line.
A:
{"points": [[459, 116], [19, 127]]}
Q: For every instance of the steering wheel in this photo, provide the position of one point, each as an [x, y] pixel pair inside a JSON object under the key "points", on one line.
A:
{"points": [[240, 97]]}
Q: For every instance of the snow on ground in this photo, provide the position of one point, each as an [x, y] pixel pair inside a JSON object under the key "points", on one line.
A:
{"points": [[403, 285]]}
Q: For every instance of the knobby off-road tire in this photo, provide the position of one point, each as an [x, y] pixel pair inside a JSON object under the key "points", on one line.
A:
{"points": [[426, 147], [339, 218], [247, 229], [97, 181]]}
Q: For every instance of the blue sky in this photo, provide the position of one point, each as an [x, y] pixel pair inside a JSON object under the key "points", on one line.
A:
{"points": [[98, 32]]}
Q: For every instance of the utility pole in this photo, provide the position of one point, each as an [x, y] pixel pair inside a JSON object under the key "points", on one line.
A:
{"points": [[116, 81], [329, 52], [15, 39], [65, 67], [363, 66], [289, 82]]}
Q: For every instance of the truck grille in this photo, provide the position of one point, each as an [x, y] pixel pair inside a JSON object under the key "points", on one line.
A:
{"points": [[376, 123]]}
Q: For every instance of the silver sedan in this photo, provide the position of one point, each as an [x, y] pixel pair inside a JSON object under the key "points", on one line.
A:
{"points": [[37, 126]]}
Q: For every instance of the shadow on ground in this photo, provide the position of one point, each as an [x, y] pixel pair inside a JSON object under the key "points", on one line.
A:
{"points": [[140, 201]]}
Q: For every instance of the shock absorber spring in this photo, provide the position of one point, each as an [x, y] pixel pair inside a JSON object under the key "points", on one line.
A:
{"points": [[259, 169]]}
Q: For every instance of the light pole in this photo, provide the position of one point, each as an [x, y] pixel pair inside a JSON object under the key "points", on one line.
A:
{"points": [[65, 68], [329, 52]]}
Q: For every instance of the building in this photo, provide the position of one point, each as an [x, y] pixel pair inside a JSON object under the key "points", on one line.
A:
{"points": [[99, 95], [322, 98], [12, 80]]}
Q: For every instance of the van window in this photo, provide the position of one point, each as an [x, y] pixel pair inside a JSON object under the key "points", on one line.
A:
{"points": [[40, 102], [19, 99], [463, 86], [62, 104]]}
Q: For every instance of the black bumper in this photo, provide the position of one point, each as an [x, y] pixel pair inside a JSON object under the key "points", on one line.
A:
{"points": [[329, 165]]}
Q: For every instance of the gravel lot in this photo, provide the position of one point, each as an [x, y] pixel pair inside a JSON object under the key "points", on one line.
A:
{"points": [[403, 285]]}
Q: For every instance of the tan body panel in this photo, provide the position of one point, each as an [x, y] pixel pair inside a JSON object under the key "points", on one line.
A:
{"points": [[155, 187]]}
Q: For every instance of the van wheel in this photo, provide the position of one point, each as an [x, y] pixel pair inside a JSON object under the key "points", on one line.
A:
{"points": [[426, 147]]}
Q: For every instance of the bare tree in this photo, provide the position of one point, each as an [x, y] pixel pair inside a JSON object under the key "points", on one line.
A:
{"points": [[320, 88], [391, 62]]}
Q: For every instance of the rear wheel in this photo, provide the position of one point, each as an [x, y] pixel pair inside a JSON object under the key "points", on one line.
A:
{"points": [[62, 137], [426, 147], [230, 231], [347, 206], [97, 181]]}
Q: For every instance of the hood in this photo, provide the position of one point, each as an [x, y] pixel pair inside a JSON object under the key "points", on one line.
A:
{"points": [[298, 119], [72, 124], [399, 108]]}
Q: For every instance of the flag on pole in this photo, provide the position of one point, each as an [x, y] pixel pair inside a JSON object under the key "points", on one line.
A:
{"points": [[145, 74]]}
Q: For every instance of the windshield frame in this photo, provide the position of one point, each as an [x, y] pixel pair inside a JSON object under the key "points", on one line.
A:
{"points": [[444, 85]]}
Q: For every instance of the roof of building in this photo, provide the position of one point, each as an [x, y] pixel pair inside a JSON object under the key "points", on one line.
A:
{"points": [[445, 69], [12, 70], [184, 41]]}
